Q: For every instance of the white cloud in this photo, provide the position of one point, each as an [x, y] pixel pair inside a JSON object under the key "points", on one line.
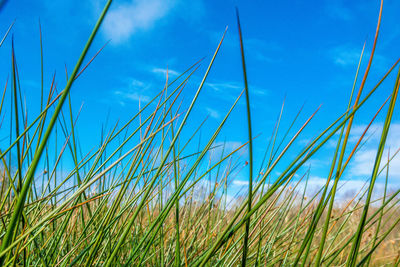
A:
{"points": [[375, 131], [133, 96], [372, 134], [363, 162], [345, 56], [123, 20], [213, 113], [262, 50], [240, 183], [135, 90], [226, 147], [346, 189], [349, 56], [234, 88], [225, 86], [337, 10], [164, 71], [229, 146]]}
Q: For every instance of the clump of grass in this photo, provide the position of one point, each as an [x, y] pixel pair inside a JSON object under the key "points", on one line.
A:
{"points": [[143, 197]]}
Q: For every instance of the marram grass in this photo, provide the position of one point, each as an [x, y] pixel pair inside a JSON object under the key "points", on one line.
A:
{"points": [[141, 199]]}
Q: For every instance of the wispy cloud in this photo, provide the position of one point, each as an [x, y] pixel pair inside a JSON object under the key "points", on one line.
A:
{"points": [[346, 189], [240, 183], [264, 51], [133, 96], [337, 10], [226, 147], [256, 48], [375, 130], [125, 19], [235, 87], [224, 86], [213, 113], [135, 90], [227, 91], [163, 71], [348, 56], [345, 56], [364, 160]]}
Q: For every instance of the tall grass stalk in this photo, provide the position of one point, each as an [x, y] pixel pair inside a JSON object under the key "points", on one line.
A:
{"points": [[250, 189]]}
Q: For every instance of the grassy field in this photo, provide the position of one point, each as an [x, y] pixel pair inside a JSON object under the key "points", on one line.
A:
{"points": [[140, 199]]}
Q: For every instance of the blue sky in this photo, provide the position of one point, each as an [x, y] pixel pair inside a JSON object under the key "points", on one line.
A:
{"points": [[304, 50]]}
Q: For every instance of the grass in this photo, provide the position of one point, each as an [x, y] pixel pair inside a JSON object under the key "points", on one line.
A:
{"points": [[142, 197]]}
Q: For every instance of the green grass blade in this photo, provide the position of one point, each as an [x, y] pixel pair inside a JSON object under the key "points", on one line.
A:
{"points": [[250, 189]]}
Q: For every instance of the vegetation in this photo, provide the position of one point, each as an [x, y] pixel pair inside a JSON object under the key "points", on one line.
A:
{"points": [[139, 198]]}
